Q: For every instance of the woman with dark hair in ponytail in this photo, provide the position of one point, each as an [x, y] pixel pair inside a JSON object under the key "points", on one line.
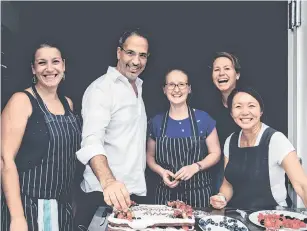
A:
{"points": [[182, 146], [256, 159], [40, 136]]}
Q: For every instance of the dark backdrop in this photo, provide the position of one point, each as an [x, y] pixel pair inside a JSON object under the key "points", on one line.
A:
{"points": [[182, 35]]}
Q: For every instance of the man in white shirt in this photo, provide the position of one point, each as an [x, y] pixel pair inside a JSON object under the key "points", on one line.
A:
{"points": [[113, 144]]}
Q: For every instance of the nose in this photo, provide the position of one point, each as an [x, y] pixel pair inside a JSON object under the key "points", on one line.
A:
{"points": [[49, 67], [222, 72], [136, 60], [245, 111], [176, 88]]}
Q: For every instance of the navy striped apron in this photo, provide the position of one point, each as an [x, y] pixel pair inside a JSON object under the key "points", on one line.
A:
{"points": [[52, 179], [173, 154]]}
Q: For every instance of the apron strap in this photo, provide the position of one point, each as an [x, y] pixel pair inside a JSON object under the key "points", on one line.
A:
{"points": [[43, 106], [266, 137], [194, 127], [164, 123], [193, 122]]}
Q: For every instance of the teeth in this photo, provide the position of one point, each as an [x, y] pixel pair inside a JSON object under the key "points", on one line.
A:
{"points": [[247, 120], [223, 80]]}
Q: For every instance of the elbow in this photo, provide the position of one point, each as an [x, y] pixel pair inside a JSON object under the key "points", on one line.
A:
{"points": [[7, 164]]}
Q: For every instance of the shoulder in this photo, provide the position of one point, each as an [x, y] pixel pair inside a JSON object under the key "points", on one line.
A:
{"points": [[103, 82], [281, 142], [199, 114], [205, 120], [226, 145], [279, 137], [98, 87], [71, 105], [19, 103], [229, 138], [157, 119]]}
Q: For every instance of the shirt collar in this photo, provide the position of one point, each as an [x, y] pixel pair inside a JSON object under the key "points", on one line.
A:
{"points": [[115, 75]]}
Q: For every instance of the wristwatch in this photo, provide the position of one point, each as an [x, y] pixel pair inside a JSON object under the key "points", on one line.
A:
{"points": [[199, 166]]}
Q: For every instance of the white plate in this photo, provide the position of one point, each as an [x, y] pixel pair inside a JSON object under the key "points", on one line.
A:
{"points": [[253, 217], [218, 219]]}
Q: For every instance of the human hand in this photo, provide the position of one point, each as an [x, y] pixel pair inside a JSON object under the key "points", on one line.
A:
{"points": [[186, 172], [167, 176], [19, 224], [116, 195], [218, 201]]}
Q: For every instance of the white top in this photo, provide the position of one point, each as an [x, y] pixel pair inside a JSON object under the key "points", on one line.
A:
{"points": [[279, 148], [114, 125]]}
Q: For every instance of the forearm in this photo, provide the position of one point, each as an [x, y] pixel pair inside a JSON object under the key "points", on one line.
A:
{"points": [[11, 189], [302, 192], [101, 169], [226, 190], [154, 166], [210, 160]]}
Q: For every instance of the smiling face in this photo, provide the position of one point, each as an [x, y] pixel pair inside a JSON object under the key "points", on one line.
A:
{"points": [[176, 87], [224, 75], [246, 111], [132, 57], [48, 66]]}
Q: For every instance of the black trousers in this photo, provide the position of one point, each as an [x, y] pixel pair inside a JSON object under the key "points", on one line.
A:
{"points": [[88, 203]]}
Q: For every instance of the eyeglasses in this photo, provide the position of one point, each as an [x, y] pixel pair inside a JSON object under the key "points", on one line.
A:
{"points": [[172, 86], [131, 53]]}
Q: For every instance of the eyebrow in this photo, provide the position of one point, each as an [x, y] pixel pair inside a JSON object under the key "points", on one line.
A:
{"points": [[223, 66], [127, 49], [41, 59]]}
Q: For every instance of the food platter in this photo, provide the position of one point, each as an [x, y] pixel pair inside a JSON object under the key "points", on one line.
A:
{"points": [[258, 216], [221, 223]]}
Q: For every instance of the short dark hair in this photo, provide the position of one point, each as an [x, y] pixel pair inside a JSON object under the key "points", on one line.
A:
{"points": [[247, 90], [45, 44], [234, 59], [129, 33]]}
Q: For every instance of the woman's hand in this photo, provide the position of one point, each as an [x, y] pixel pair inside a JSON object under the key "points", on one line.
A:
{"points": [[186, 172], [19, 224], [167, 176], [218, 201]]}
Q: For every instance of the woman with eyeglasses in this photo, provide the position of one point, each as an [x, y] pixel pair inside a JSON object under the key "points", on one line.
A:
{"points": [[182, 145]]}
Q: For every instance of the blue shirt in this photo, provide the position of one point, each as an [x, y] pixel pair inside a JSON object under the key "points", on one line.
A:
{"points": [[181, 128]]}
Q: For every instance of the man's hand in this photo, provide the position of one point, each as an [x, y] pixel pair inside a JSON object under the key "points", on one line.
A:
{"points": [[167, 176], [116, 195], [186, 172]]}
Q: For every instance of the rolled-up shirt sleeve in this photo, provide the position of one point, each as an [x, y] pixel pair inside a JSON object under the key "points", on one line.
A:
{"points": [[96, 114]]}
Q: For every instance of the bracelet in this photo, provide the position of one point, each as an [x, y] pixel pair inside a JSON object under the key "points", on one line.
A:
{"points": [[199, 166]]}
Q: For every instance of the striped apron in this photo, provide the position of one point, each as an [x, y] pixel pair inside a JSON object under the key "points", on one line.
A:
{"points": [[173, 154], [46, 188]]}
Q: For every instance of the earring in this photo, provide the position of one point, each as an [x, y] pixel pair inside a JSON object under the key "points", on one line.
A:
{"points": [[63, 76], [34, 79]]}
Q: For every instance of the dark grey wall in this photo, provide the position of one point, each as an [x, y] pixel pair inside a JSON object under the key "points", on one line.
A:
{"points": [[183, 35]]}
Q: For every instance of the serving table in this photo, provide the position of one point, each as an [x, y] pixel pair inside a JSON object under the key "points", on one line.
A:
{"points": [[100, 221]]}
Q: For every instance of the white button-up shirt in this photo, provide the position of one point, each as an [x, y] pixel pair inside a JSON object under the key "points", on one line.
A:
{"points": [[114, 125]]}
